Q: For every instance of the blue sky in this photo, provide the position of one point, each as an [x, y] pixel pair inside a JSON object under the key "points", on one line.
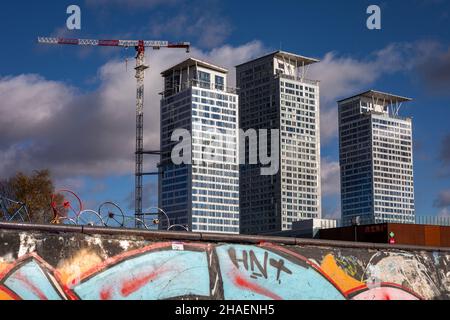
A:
{"points": [[72, 109]]}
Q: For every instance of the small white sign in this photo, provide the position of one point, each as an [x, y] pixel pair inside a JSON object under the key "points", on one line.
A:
{"points": [[177, 246]]}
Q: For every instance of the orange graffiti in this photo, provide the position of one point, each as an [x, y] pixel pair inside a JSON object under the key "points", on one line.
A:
{"points": [[70, 270], [4, 268], [6, 295], [340, 277], [87, 263]]}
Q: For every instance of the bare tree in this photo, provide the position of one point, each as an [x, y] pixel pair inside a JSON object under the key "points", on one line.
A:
{"points": [[34, 191]]}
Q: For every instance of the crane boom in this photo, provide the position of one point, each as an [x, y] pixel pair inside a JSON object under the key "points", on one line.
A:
{"points": [[140, 46], [156, 44]]}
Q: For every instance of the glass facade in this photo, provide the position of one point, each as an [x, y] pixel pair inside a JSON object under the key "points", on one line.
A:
{"points": [[376, 162], [392, 169], [300, 172], [355, 162], [275, 95], [205, 193], [215, 180]]}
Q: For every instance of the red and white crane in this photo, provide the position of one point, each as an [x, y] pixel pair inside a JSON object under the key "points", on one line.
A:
{"points": [[140, 46]]}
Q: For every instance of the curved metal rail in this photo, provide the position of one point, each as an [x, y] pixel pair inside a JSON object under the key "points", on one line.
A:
{"points": [[67, 209]]}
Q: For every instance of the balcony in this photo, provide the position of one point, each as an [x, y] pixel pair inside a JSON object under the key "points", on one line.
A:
{"points": [[299, 79], [388, 115], [197, 84]]}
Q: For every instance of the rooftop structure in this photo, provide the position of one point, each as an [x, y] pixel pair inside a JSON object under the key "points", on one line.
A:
{"points": [[381, 101]]}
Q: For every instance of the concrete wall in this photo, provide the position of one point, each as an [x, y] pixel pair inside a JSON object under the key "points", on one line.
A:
{"points": [[51, 262]]}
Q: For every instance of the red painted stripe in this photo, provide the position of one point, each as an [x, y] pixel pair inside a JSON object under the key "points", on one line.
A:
{"points": [[31, 286], [121, 257], [68, 41], [10, 293], [133, 285], [108, 43], [130, 254], [130, 285], [105, 294], [356, 289], [241, 282], [363, 288]]}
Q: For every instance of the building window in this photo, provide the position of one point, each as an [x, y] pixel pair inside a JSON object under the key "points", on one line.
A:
{"points": [[220, 82], [204, 79]]}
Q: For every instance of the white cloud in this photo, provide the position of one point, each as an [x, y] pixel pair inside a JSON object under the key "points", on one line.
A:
{"points": [[72, 183], [209, 29], [203, 23], [443, 200], [444, 213], [332, 213], [330, 171], [48, 124], [27, 102], [150, 199], [343, 76]]}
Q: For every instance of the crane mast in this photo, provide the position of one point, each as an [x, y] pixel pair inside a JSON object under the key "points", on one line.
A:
{"points": [[140, 74], [140, 46]]}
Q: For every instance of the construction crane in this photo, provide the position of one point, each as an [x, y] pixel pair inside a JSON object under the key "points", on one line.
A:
{"points": [[140, 46]]}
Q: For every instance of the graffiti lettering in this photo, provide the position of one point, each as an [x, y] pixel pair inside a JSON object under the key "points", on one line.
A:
{"points": [[254, 262], [235, 260], [202, 270], [279, 265]]}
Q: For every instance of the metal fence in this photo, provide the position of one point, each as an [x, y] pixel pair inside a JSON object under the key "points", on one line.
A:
{"points": [[419, 219], [433, 220], [11, 210], [67, 209]]}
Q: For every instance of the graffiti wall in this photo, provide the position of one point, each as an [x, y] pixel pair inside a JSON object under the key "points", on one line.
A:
{"points": [[76, 266]]}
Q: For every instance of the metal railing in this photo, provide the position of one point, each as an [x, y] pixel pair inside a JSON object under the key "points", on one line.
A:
{"points": [[419, 220], [67, 209], [388, 115], [11, 210], [297, 78], [433, 220], [168, 92]]}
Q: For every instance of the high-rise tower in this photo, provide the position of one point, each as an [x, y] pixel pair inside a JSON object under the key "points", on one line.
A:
{"points": [[275, 93], [376, 159], [203, 194]]}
